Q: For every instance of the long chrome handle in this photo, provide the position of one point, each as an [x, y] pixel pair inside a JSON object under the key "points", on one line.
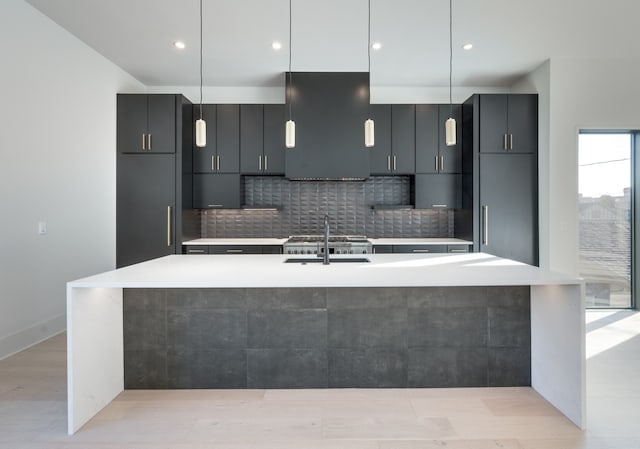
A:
{"points": [[504, 143], [214, 205], [394, 163], [218, 158], [149, 142], [485, 225], [458, 251], [168, 225], [144, 138], [266, 162], [234, 251], [195, 251], [421, 250], [511, 141], [437, 164], [213, 163], [260, 163], [439, 205], [441, 163], [388, 163]]}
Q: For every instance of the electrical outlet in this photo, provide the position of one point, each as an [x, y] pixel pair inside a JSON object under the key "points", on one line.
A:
{"points": [[42, 227]]}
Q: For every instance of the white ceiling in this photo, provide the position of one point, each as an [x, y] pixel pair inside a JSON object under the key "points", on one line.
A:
{"points": [[510, 37]]}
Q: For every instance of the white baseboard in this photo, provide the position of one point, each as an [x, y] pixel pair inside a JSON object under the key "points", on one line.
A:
{"points": [[21, 340]]}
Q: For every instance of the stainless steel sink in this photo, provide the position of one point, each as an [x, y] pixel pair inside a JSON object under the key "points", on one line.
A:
{"points": [[304, 260]]}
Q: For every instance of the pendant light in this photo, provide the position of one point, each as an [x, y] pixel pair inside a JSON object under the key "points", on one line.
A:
{"points": [[290, 129], [201, 125], [450, 124], [369, 128]]}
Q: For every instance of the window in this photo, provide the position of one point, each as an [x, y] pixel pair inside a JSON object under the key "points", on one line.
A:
{"points": [[605, 217]]}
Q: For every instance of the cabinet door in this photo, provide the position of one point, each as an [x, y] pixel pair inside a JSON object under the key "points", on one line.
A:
{"points": [[427, 132], [493, 123], [438, 191], [272, 249], [132, 123], [228, 138], [523, 123], [162, 123], [450, 157], [195, 249], [204, 159], [274, 134], [211, 191], [251, 139], [417, 249], [380, 153], [508, 217], [403, 139], [145, 211], [382, 249]]}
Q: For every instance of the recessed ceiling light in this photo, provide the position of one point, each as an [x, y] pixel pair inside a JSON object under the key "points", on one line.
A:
{"points": [[179, 45], [376, 46], [276, 45], [467, 46]]}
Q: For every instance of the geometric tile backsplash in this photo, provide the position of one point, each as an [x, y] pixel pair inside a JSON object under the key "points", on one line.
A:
{"points": [[303, 205]]}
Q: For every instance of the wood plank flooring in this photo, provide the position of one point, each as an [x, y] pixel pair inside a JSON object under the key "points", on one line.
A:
{"points": [[33, 410]]}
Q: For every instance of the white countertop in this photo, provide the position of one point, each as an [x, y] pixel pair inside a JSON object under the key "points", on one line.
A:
{"points": [[270, 271], [420, 241], [236, 241]]}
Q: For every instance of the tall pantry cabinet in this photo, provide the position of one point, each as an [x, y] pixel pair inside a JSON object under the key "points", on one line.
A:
{"points": [[153, 180]]}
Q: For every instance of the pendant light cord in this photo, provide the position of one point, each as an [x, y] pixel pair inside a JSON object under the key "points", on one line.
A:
{"points": [[289, 90], [369, 57], [450, 56], [200, 59]]}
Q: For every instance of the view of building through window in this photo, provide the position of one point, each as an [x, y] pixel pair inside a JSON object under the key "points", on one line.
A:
{"points": [[604, 174]]}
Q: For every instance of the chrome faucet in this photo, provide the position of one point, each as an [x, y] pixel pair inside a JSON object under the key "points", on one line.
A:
{"points": [[325, 255]]}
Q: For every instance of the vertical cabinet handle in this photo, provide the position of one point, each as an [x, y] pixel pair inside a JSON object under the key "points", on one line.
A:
{"points": [[485, 225], [266, 162], [511, 141], [504, 143], [168, 225], [388, 163], [149, 142], [260, 163], [437, 163], [144, 137], [218, 158], [441, 163], [213, 163], [394, 163]]}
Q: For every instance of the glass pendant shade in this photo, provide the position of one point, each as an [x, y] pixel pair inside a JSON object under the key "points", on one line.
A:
{"points": [[450, 132], [201, 133], [290, 136], [369, 133]]}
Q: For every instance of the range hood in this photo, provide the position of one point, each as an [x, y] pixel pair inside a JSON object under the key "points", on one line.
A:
{"points": [[329, 109]]}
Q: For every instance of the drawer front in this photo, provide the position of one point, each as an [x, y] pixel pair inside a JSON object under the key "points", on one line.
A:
{"points": [[195, 249], [382, 249], [420, 249], [272, 249], [235, 249], [458, 248]]}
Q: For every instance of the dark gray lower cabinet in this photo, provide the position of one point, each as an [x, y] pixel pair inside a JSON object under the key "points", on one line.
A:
{"points": [[419, 249], [195, 249], [327, 337], [508, 206], [435, 191], [145, 211], [232, 249], [217, 190]]}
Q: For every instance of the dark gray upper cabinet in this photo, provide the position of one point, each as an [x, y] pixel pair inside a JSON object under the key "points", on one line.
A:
{"points": [[432, 153], [380, 154], [262, 139], [329, 110], [222, 152], [274, 135], [146, 123], [508, 122], [508, 206], [438, 191], [216, 191], [403, 139]]}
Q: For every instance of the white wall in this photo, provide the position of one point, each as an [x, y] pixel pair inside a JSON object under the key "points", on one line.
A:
{"points": [[57, 164], [583, 94]]}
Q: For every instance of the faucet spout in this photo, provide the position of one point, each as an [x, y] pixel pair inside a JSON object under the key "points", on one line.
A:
{"points": [[325, 255]]}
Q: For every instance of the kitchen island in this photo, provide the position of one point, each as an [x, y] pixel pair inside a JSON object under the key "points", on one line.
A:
{"points": [[400, 320]]}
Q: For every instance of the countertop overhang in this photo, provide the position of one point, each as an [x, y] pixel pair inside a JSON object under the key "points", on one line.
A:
{"points": [[270, 271]]}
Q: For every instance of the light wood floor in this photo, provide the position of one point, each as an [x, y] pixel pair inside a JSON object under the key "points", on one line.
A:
{"points": [[33, 410]]}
